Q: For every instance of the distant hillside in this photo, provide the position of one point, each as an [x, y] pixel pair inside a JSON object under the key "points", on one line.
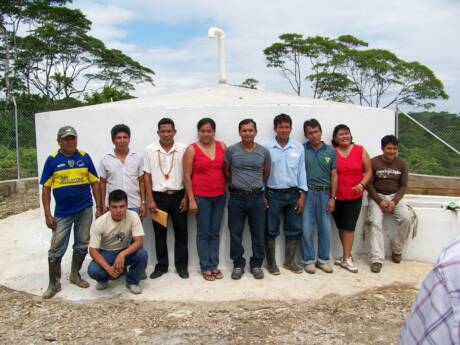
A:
{"points": [[424, 153]]}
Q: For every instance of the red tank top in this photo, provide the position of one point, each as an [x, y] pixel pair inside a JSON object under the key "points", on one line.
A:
{"points": [[349, 173], [208, 178]]}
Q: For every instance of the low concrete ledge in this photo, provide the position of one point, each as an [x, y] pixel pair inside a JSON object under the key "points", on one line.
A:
{"points": [[434, 185], [17, 196]]}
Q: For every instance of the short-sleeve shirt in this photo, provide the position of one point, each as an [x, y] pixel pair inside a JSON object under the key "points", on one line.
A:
{"points": [[70, 179], [108, 234], [158, 162], [288, 166], [319, 165], [247, 167], [123, 175]]}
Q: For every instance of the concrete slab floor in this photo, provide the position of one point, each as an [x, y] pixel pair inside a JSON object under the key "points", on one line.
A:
{"points": [[25, 241]]}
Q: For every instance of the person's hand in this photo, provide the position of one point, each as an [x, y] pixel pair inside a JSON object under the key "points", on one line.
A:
{"points": [[119, 263], [153, 206], [193, 206], [391, 206], [98, 212], [113, 272], [267, 205], [183, 205], [358, 188], [300, 205], [142, 211], [331, 205], [383, 204], [105, 209], [50, 222]]}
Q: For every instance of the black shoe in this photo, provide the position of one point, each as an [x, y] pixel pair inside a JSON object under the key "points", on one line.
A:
{"points": [[257, 273], [396, 257], [157, 273], [237, 273], [376, 267], [183, 274]]}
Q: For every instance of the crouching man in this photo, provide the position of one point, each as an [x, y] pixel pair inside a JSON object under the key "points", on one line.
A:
{"points": [[116, 245]]}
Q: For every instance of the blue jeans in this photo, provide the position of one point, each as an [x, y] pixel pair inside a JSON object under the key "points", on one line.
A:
{"points": [[315, 215], [208, 220], [134, 266], [135, 209], [283, 203], [240, 206], [81, 223]]}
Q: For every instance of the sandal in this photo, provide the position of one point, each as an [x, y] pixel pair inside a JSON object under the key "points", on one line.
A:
{"points": [[217, 273], [208, 275]]}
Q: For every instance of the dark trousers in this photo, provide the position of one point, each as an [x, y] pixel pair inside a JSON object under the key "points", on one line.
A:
{"points": [[252, 206], [170, 204], [283, 203]]}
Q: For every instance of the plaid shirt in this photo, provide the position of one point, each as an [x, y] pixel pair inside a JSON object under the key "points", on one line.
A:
{"points": [[435, 315]]}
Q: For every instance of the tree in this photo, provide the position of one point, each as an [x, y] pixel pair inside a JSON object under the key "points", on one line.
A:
{"points": [[287, 56], [12, 14], [343, 69], [107, 94], [59, 59], [250, 83]]}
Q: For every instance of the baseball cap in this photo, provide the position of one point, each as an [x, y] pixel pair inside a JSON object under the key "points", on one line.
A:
{"points": [[66, 131]]}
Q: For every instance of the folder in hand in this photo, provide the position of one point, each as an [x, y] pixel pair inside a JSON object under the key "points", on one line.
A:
{"points": [[161, 217]]}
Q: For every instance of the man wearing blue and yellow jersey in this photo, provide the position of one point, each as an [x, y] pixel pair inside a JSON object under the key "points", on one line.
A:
{"points": [[70, 173]]}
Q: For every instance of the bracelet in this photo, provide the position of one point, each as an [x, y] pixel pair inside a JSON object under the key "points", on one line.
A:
{"points": [[362, 185], [332, 197]]}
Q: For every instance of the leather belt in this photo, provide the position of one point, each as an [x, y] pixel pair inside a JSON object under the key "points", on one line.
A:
{"points": [[169, 192]]}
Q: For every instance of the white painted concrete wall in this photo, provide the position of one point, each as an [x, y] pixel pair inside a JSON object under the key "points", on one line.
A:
{"points": [[227, 105]]}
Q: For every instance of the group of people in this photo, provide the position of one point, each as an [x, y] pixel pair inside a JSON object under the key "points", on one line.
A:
{"points": [[305, 186]]}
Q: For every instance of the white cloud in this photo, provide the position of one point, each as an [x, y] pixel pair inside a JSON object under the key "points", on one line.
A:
{"points": [[424, 31]]}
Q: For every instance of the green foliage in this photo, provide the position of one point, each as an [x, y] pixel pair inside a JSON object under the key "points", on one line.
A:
{"points": [[424, 153], [58, 58], [343, 69], [107, 94], [250, 83]]}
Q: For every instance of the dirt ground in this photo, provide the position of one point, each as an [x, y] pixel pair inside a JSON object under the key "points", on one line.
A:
{"points": [[371, 317]]}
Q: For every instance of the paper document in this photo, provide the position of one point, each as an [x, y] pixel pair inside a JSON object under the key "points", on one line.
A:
{"points": [[161, 217]]}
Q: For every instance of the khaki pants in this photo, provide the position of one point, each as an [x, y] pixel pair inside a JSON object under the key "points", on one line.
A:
{"points": [[376, 238]]}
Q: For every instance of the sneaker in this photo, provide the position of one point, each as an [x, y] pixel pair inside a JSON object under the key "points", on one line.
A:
{"points": [[376, 267], [396, 257], [324, 267], [134, 288], [349, 265], [237, 273], [102, 285], [309, 268], [257, 273], [338, 262]]}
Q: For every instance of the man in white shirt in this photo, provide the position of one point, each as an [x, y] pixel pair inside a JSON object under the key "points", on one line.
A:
{"points": [[164, 187], [116, 245], [122, 168]]}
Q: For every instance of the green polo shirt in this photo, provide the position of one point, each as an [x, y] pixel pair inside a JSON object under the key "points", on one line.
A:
{"points": [[319, 164]]}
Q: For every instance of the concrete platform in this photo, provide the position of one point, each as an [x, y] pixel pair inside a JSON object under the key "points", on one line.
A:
{"points": [[25, 241]]}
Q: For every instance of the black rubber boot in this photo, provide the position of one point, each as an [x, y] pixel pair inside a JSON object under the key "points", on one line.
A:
{"points": [[77, 262], [270, 257], [54, 269], [290, 251]]}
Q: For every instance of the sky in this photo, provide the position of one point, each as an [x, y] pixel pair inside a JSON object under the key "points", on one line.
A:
{"points": [[171, 36]]}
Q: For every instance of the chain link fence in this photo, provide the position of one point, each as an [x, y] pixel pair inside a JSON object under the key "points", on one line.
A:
{"points": [[9, 168], [425, 153]]}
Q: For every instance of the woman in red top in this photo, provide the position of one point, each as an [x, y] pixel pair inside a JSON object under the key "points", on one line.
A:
{"points": [[205, 185], [353, 172]]}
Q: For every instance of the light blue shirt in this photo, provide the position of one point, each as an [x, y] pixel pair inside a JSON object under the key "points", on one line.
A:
{"points": [[288, 166]]}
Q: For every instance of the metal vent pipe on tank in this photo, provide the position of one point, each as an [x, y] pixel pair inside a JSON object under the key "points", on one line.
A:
{"points": [[220, 35]]}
